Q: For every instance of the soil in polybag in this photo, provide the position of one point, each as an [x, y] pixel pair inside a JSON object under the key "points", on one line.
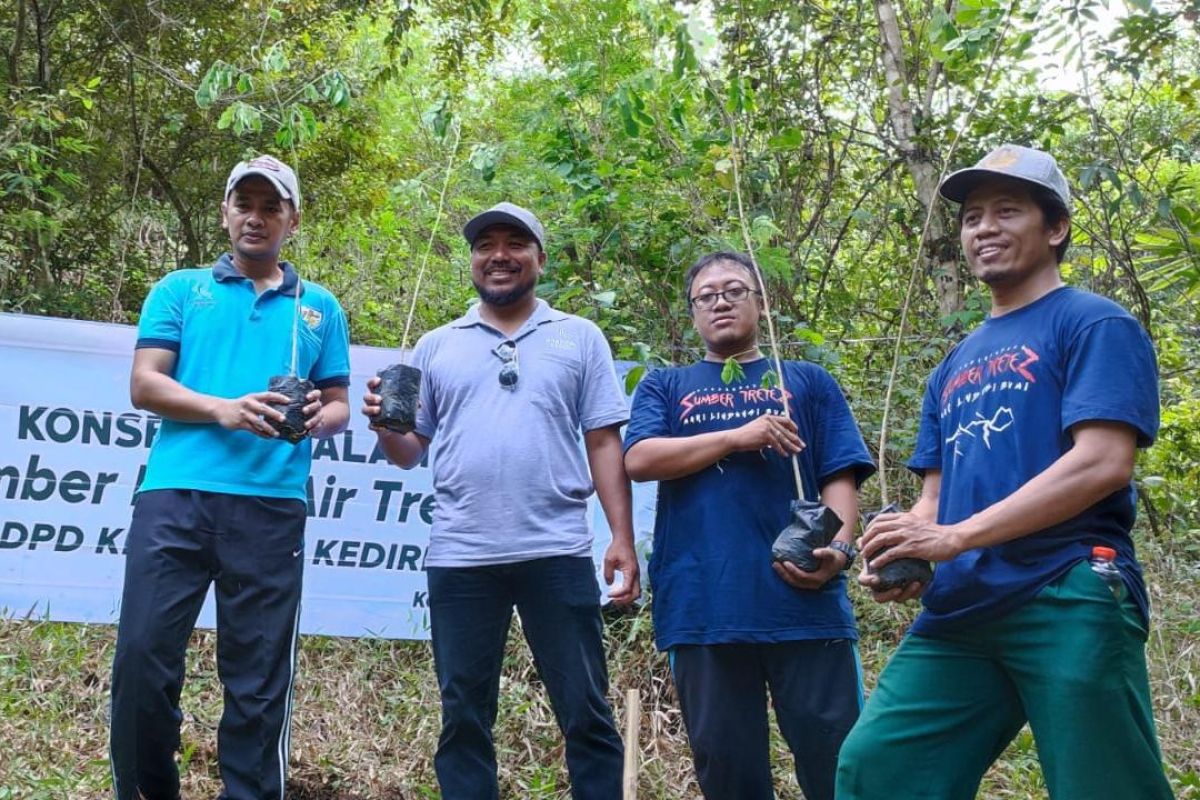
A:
{"points": [[296, 390], [902, 571], [400, 388], [813, 526]]}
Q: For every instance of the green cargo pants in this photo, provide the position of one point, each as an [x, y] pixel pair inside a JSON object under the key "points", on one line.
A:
{"points": [[1071, 662]]}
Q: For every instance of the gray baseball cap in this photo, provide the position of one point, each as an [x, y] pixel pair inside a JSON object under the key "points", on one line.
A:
{"points": [[1010, 161], [505, 214], [278, 173]]}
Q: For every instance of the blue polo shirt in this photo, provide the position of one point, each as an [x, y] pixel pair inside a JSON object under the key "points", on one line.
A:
{"points": [[229, 342]]}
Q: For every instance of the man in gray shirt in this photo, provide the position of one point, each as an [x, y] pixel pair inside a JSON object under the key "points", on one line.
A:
{"points": [[506, 393]]}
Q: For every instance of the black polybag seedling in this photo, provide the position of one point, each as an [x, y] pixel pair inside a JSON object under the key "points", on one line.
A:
{"points": [[902, 571], [296, 390], [813, 526], [399, 388]]}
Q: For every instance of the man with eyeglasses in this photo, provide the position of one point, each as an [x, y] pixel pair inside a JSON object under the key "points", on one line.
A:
{"points": [[508, 391], [735, 624]]}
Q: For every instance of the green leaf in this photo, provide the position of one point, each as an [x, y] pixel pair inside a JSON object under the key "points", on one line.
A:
{"points": [[769, 379], [484, 159], [336, 90], [634, 377], [275, 60], [437, 116], [763, 229], [809, 335], [786, 139], [631, 127], [215, 82], [226, 118], [732, 371]]}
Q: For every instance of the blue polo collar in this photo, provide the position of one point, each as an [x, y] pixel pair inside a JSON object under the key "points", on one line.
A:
{"points": [[225, 270], [542, 314]]}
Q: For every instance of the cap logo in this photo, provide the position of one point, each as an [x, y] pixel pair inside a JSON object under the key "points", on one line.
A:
{"points": [[1001, 159], [266, 162]]}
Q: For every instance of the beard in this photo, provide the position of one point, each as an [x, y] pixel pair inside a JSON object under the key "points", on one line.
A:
{"points": [[506, 297]]}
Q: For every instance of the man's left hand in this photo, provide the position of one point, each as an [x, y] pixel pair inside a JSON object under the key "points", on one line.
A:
{"points": [[831, 563], [313, 411], [620, 556]]}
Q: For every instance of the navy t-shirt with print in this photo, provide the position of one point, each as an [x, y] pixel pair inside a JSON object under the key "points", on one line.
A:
{"points": [[710, 568], [998, 411]]}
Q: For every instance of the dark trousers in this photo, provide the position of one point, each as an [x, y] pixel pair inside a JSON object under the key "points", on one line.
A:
{"points": [[817, 694], [470, 612], [179, 542]]}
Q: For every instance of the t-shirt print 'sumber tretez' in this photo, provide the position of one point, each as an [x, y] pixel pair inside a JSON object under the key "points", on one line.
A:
{"points": [[998, 411], [724, 403]]}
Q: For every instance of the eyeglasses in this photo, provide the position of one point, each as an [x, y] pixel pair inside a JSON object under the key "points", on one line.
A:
{"points": [[734, 294], [510, 373]]}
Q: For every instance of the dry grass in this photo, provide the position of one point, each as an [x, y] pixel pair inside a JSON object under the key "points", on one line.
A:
{"points": [[367, 715]]}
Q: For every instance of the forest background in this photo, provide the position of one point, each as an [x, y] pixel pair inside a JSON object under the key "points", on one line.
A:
{"points": [[631, 127]]}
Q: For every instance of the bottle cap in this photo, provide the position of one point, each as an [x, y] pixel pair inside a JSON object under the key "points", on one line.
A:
{"points": [[1107, 553]]}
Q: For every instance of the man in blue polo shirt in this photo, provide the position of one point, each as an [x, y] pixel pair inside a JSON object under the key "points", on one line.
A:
{"points": [[223, 498], [508, 392], [1026, 448]]}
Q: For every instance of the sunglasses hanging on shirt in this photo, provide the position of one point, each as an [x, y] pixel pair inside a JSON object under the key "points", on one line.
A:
{"points": [[510, 372]]}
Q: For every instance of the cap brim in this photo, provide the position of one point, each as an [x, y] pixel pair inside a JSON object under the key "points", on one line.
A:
{"points": [[958, 185], [487, 219]]}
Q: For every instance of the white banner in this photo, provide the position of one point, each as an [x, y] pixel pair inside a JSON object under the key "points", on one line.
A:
{"points": [[72, 451]]}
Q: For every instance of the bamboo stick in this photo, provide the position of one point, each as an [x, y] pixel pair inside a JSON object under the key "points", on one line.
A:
{"points": [[633, 717]]}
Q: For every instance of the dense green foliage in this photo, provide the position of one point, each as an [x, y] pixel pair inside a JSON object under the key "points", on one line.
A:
{"points": [[629, 126], [625, 125]]}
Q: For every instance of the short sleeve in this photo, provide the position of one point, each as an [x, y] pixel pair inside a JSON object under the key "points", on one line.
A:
{"points": [[928, 455], [601, 402], [649, 416], [839, 442], [161, 323], [1112, 375], [427, 416], [332, 367]]}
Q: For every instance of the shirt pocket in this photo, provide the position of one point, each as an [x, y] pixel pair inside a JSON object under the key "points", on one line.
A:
{"points": [[554, 383]]}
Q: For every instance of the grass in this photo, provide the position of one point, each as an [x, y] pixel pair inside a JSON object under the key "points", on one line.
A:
{"points": [[367, 714]]}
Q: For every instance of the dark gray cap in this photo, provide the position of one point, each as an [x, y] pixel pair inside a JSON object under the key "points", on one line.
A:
{"points": [[1009, 161], [505, 214]]}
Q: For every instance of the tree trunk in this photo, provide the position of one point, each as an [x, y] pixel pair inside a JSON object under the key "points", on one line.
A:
{"points": [[14, 53], [41, 30], [185, 222], [938, 245]]}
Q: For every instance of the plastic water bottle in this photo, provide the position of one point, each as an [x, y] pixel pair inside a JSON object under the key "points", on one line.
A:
{"points": [[1104, 564]]}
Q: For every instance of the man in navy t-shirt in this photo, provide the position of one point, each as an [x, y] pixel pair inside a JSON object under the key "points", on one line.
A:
{"points": [[734, 623], [1026, 446]]}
